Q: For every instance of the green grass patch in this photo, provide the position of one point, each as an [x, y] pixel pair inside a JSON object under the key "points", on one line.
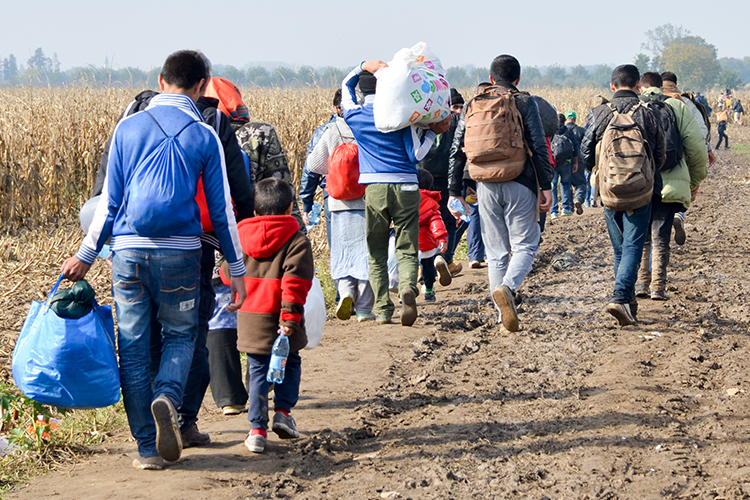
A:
{"points": [[40, 437], [741, 148]]}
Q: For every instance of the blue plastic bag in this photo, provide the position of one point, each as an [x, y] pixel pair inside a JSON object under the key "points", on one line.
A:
{"points": [[65, 362]]}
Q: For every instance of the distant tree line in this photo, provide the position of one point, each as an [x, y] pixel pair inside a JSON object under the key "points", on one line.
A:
{"points": [[671, 48]]}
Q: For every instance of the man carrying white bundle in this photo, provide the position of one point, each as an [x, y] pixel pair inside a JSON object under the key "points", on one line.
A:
{"points": [[388, 166]]}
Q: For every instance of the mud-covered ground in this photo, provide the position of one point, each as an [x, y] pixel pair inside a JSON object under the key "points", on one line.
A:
{"points": [[572, 406]]}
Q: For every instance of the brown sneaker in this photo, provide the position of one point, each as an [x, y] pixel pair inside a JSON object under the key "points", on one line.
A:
{"points": [[194, 437], [409, 302], [506, 301], [455, 268], [443, 271], [622, 313]]}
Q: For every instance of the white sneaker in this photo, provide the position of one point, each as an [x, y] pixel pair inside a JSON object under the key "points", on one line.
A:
{"points": [[255, 443]]}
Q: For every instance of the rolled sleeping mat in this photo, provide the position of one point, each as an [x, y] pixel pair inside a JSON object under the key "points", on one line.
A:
{"points": [[86, 215]]}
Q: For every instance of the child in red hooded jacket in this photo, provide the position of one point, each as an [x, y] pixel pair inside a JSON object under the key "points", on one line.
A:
{"points": [[433, 236], [280, 270]]}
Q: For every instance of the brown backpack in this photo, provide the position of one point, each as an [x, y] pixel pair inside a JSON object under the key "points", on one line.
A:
{"points": [[625, 164], [494, 139]]}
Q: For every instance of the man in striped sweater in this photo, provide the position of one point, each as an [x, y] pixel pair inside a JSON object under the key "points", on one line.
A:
{"points": [[160, 154]]}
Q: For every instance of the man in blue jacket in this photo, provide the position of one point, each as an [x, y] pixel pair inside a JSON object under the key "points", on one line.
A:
{"points": [[157, 254], [388, 166]]}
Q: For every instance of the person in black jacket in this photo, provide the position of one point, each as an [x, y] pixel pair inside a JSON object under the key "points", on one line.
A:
{"points": [[436, 163], [242, 196], [627, 230], [509, 209], [580, 182]]}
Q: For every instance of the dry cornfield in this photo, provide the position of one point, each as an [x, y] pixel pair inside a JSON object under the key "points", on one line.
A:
{"points": [[51, 139]]}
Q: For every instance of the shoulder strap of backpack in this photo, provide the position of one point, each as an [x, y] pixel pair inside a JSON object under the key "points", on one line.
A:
{"points": [[162, 130], [632, 110], [612, 108], [217, 122]]}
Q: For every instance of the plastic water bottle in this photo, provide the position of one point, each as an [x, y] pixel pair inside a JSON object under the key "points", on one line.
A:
{"points": [[279, 354], [456, 205], [313, 216]]}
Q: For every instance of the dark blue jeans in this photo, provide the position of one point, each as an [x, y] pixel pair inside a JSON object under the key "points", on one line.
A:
{"points": [[140, 279], [285, 395], [589, 189], [200, 375], [628, 235], [474, 235], [562, 176], [579, 181]]}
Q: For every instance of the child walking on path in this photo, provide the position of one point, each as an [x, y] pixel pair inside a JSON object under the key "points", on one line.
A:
{"points": [[349, 267], [280, 269], [433, 236]]}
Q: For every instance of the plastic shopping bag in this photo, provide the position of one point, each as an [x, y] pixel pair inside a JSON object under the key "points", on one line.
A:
{"points": [[393, 278], [69, 363], [315, 314], [411, 90]]}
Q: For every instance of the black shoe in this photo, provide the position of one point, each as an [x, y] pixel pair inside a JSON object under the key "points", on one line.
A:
{"points": [[641, 291], [579, 207]]}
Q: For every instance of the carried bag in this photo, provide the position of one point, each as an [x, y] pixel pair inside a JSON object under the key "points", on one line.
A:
{"points": [[68, 363], [411, 90], [625, 164], [315, 314], [494, 138], [159, 200], [668, 121], [342, 180]]}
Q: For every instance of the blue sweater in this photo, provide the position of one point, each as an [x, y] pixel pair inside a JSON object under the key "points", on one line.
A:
{"points": [[384, 157], [133, 141]]}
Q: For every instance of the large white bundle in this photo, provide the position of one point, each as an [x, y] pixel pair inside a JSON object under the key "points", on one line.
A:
{"points": [[411, 90]]}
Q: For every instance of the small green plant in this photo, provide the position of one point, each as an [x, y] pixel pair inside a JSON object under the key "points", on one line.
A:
{"points": [[26, 421]]}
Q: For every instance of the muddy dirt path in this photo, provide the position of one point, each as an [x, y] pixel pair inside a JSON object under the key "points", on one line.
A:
{"points": [[569, 407]]}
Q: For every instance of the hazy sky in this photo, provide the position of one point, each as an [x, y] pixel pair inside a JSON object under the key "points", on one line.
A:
{"points": [[343, 33]]}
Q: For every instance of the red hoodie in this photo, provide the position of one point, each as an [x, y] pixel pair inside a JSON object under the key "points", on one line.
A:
{"points": [[431, 226], [280, 269]]}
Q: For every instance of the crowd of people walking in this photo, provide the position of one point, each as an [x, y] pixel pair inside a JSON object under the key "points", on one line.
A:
{"points": [[493, 168]]}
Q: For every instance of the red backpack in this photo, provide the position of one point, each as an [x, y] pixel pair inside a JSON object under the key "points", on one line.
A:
{"points": [[342, 181]]}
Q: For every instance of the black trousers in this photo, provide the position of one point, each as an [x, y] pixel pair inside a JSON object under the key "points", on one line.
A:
{"points": [[227, 385]]}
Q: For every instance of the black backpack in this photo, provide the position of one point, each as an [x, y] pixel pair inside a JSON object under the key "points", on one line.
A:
{"points": [[563, 148], [668, 121]]}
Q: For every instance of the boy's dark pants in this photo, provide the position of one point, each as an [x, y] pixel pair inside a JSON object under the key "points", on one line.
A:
{"points": [[398, 203], [656, 248], [285, 395], [429, 273]]}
